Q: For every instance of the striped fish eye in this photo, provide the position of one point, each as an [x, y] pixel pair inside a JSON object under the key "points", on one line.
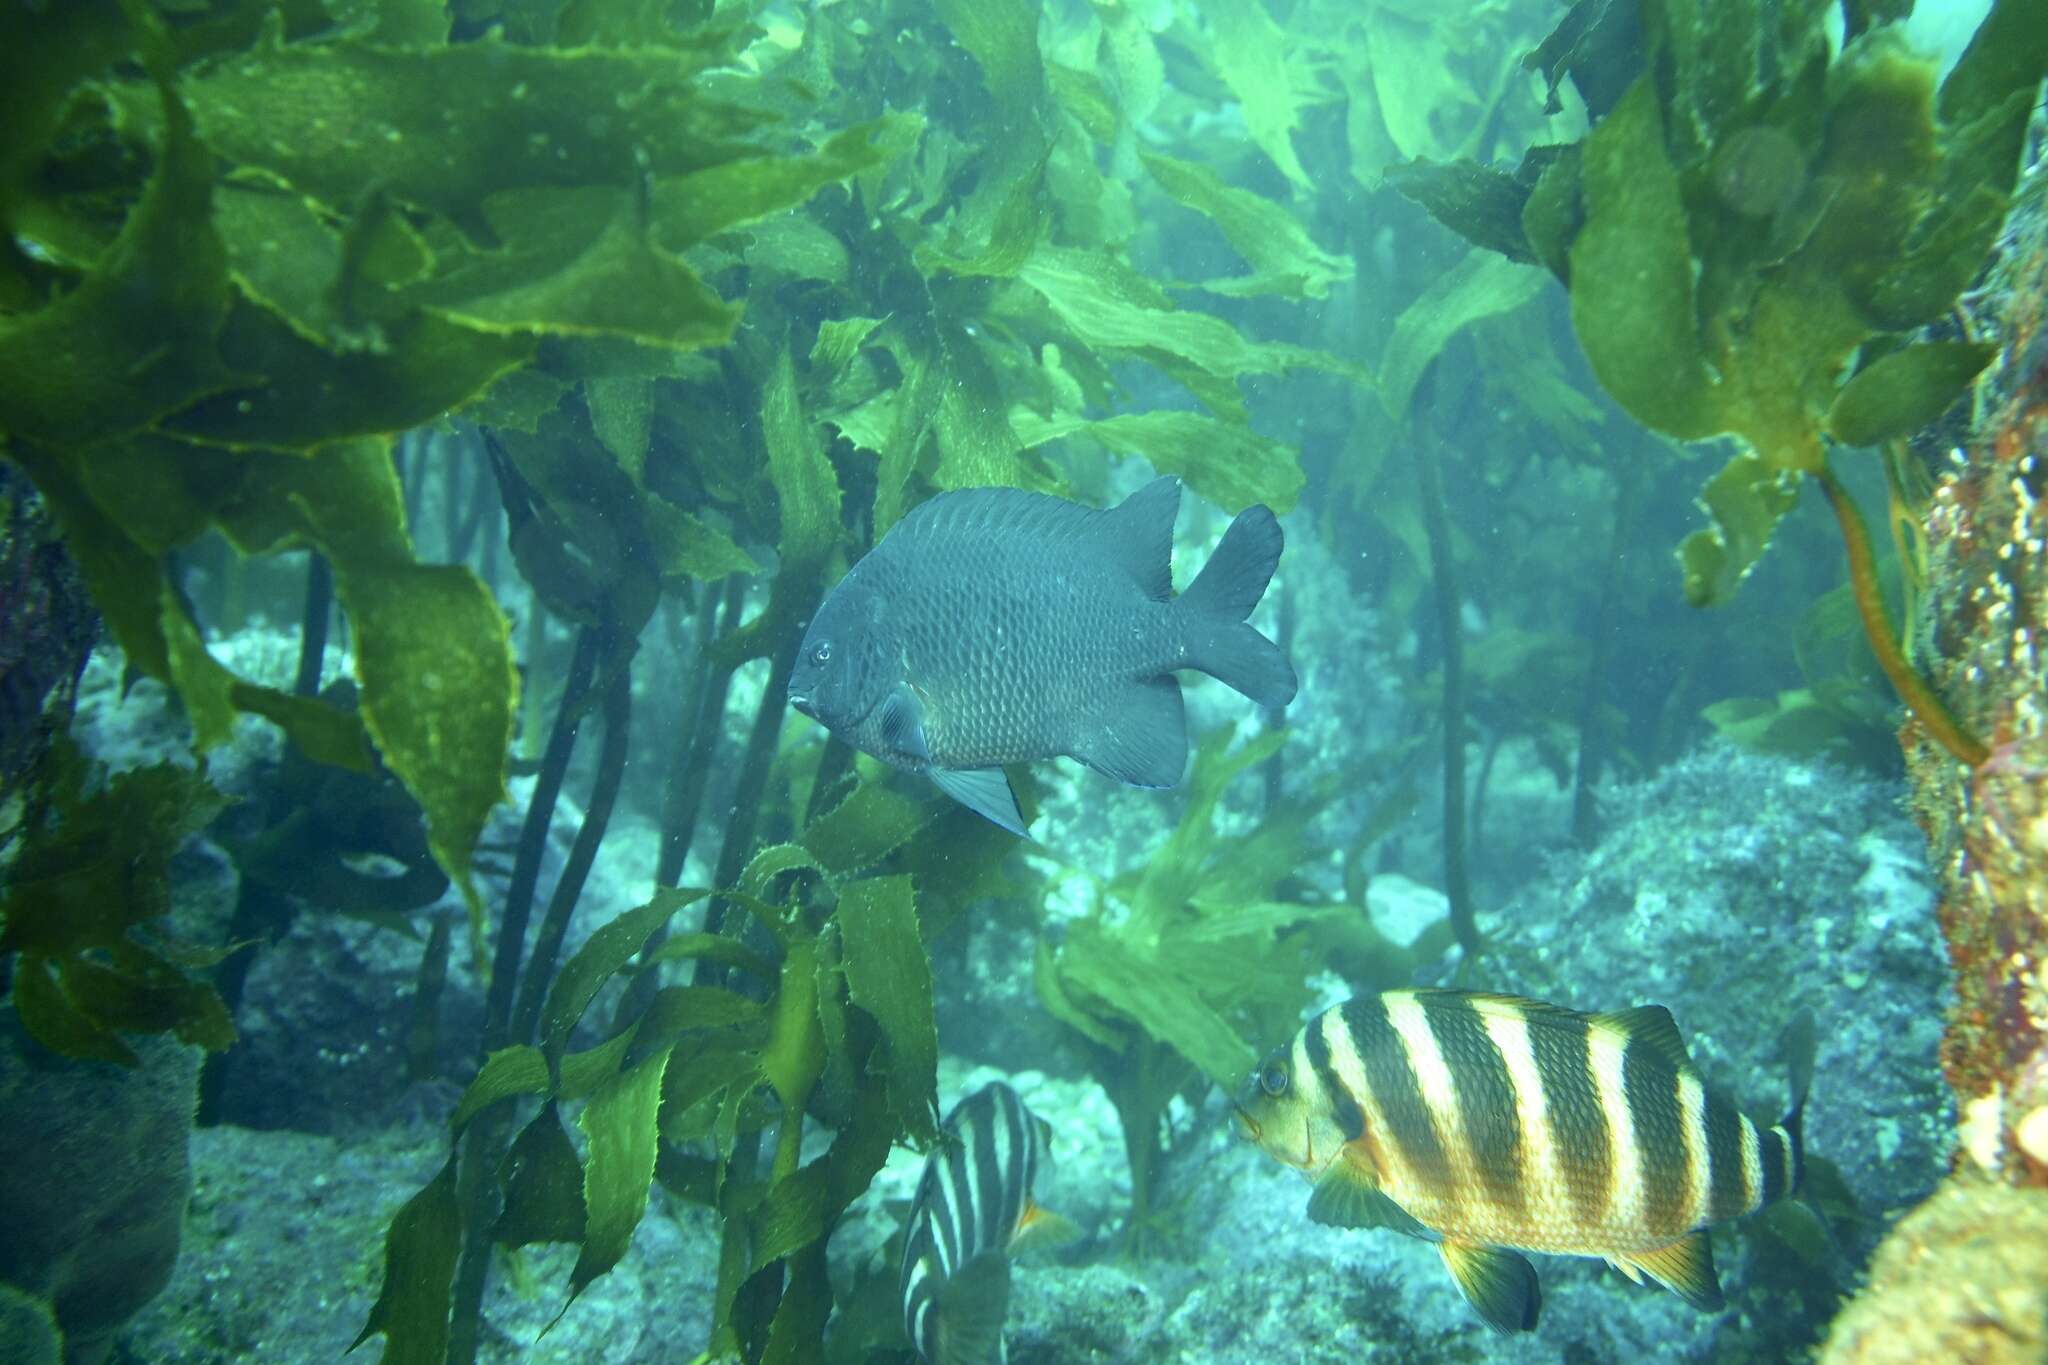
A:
{"points": [[1273, 1077]]}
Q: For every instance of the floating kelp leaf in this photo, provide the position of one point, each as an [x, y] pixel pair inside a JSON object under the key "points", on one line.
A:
{"points": [[578, 260], [687, 209], [889, 976], [46, 1012], [1599, 45], [796, 247], [1086, 97], [444, 128], [1633, 302], [517, 1070], [1906, 391], [977, 446], [517, 401], [620, 1124], [45, 50], [1250, 52], [439, 694], [1483, 205], [687, 546], [136, 339], [1104, 303], [1134, 56], [1481, 285], [996, 230], [602, 954], [1921, 285], [710, 948], [869, 825], [543, 1183], [420, 1250], [1416, 82], [1745, 501], [1099, 963], [622, 414], [839, 340], [791, 1216], [679, 1010], [1045, 976], [297, 396], [1272, 241], [806, 488], [1226, 464], [1555, 210]]}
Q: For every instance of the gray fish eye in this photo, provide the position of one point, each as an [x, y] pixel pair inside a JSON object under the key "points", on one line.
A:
{"points": [[821, 653], [1273, 1078]]}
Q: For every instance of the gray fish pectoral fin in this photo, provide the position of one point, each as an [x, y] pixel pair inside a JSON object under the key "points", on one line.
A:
{"points": [[985, 791], [1500, 1284], [1347, 1196], [971, 1308], [902, 722], [1685, 1267]]}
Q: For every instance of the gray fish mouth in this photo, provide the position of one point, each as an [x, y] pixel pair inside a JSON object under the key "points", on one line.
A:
{"points": [[802, 702]]}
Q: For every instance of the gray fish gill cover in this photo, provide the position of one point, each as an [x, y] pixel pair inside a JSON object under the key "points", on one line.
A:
{"points": [[994, 626]]}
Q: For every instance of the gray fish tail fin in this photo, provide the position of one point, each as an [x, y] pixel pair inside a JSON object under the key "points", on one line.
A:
{"points": [[1215, 606], [1800, 1042]]}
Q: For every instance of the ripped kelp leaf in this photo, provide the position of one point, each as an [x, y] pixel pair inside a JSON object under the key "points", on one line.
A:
{"points": [[1744, 504]]}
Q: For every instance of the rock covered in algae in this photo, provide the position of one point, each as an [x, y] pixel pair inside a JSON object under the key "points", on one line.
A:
{"points": [[94, 1177], [1962, 1277]]}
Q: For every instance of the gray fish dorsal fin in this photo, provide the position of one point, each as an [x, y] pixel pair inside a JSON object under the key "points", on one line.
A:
{"points": [[1140, 737], [1139, 532], [1136, 534], [985, 791], [1500, 1285], [1651, 1025]]}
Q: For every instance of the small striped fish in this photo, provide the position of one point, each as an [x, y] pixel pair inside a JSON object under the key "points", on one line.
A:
{"points": [[972, 1213], [1485, 1122]]}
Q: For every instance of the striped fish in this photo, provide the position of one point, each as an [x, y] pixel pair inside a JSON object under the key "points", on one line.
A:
{"points": [[1487, 1124], [972, 1213]]}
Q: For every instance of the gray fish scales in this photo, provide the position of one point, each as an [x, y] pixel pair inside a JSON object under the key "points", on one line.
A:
{"points": [[994, 626]]}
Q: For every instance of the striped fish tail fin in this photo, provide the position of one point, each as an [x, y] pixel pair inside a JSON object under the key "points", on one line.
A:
{"points": [[1783, 1148]]}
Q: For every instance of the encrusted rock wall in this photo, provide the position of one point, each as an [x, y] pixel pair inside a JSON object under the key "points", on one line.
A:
{"points": [[1965, 1277]]}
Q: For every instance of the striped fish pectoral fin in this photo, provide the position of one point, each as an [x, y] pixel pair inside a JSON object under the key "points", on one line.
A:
{"points": [[1040, 1229], [1347, 1196], [1500, 1284], [985, 791], [968, 1313], [1651, 1025], [1685, 1267]]}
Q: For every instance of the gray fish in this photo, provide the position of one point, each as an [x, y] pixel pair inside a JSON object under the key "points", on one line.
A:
{"points": [[973, 1212], [995, 626]]}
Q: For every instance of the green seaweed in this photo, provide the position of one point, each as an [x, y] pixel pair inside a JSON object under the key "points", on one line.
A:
{"points": [[1184, 960], [92, 867], [1751, 231]]}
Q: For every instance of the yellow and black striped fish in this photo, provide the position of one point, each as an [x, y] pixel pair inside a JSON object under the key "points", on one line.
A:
{"points": [[1486, 1122], [973, 1211]]}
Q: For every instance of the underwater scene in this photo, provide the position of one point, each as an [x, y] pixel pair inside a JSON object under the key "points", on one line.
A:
{"points": [[936, 682]]}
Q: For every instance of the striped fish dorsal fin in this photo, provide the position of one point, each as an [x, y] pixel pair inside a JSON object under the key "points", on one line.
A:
{"points": [[1652, 1026]]}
